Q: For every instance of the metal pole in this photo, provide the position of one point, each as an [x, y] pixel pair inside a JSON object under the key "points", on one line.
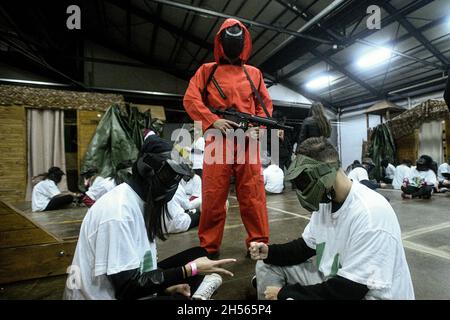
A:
{"points": [[243, 20]]}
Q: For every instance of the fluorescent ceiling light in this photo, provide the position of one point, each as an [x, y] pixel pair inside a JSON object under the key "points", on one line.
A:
{"points": [[41, 83], [374, 58], [319, 82]]}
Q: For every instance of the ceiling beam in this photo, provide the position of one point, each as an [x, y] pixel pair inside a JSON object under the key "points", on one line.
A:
{"points": [[437, 79], [213, 26], [363, 34], [345, 72], [255, 53], [416, 34], [155, 19], [308, 17], [100, 39], [243, 20]]}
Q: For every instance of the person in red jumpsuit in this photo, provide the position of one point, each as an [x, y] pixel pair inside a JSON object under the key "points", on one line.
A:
{"points": [[224, 84]]}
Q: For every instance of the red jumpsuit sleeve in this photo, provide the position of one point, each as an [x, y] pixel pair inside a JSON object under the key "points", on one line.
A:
{"points": [[264, 93], [193, 102]]}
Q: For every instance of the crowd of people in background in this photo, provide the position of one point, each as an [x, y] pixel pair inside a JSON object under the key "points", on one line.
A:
{"points": [[419, 181]]}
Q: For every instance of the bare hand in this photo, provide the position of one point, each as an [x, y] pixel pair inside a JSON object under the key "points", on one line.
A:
{"points": [[206, 266], [271, 293], [253, 132], [183, 289], [223, 125], [258, 250], [280, 134]]}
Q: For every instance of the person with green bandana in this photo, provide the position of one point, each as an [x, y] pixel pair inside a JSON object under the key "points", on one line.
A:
{"points": [[350, 249]]}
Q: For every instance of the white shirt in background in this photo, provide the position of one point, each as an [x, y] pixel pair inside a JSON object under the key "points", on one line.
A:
{"points": [[358, 174], [180, 220], [362, 243], [193, 188], [443, 168], [197, 159], [402, 171], [416, 177], [113, 238], [42, 193], [100, 187], [273, 179], [390, 171]]}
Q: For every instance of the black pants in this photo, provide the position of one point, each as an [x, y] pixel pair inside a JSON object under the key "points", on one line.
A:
{"points": [[386, 180], [198, 172], [180, 259], [424, 192], [195, 219], [370, 184], [444, 185], [59, 202]]}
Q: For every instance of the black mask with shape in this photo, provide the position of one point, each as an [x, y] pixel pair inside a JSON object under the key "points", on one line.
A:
{"points": [[233, 42]]}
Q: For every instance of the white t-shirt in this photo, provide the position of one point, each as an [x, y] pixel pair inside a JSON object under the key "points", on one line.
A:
{"points": [[273, 179], [193, 188], [358, 174], [113, 238], [401, 172], [416, 177], [196, 158], [42, 193], [180, 220], [390, 171], [100, 187], [362, 243], [443, 168]]}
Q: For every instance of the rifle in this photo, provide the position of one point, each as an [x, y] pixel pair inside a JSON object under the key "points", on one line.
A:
{"points": [[244, 119]]}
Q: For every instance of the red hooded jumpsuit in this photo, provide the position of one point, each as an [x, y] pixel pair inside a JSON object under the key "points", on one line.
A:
{"points": [[216, 177]]}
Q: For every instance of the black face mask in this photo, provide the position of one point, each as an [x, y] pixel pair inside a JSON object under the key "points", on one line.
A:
{"points": [[163, 181], [233, 42]]}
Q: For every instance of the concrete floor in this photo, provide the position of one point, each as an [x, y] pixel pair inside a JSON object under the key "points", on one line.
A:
{"points": [[426, 232], [425, 226]]}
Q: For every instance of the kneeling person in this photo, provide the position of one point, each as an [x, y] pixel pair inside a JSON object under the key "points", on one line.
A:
{"points": [[353, 236], [116, 253]]}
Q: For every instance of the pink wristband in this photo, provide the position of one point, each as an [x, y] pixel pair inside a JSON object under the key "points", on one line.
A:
{"points": [[194, 270]]}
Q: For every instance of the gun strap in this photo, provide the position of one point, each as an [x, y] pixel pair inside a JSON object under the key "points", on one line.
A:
{"points": [[216, 84], [256, 92]]}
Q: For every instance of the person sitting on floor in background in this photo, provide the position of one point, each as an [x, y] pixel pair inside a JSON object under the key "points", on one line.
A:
{"points": [[116, 254], [192, 185], [353, 234], [359, 173], [402, 171], [182, 216], [96, 185], [197, 150], [273, 178], [388, 171], [421, 180], [46, 195], [444, 176]]}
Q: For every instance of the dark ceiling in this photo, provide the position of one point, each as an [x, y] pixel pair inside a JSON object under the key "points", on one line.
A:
{"points": [[177, 37]]}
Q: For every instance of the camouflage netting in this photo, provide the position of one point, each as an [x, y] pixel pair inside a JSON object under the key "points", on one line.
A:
{"points": [[408, 121], [41, 98]]}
